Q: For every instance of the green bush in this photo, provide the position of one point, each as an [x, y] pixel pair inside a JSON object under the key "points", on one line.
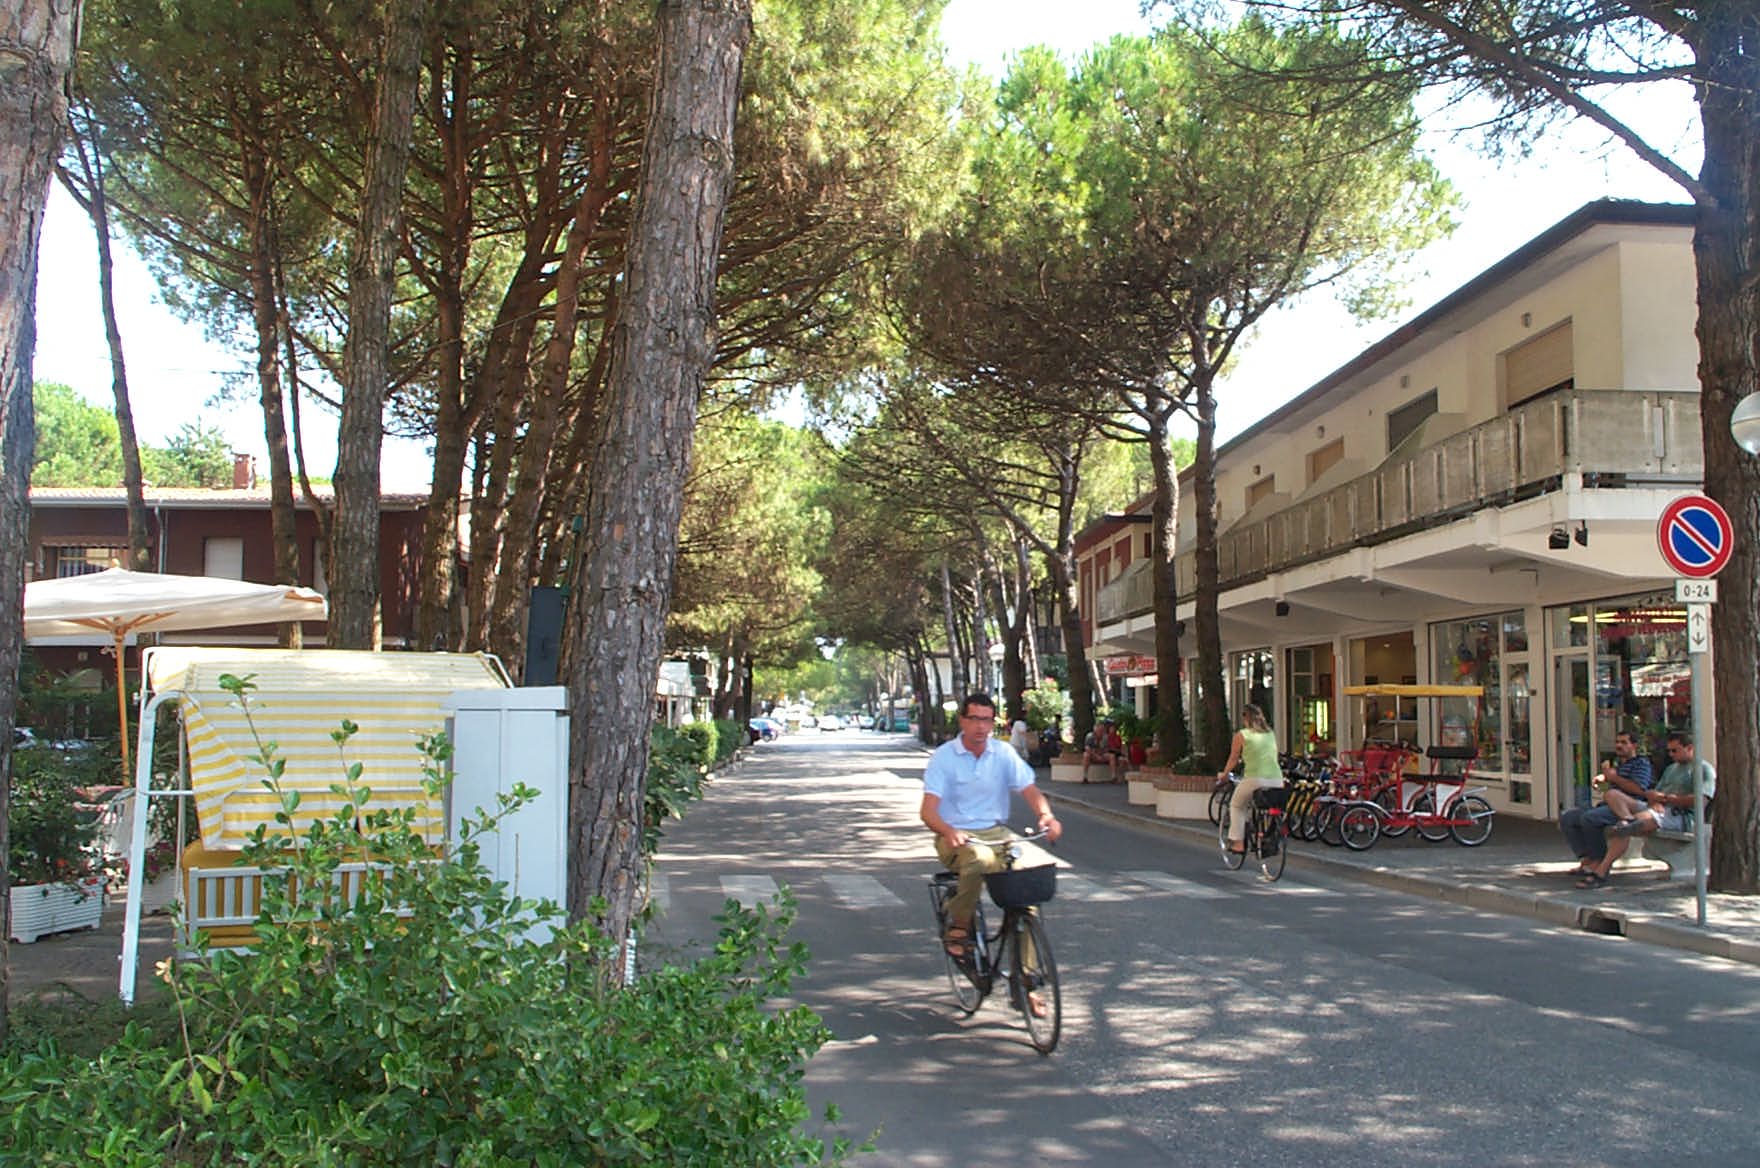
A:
{"points": [[702, 736], [1046, 704], [730, 735], [424, 1025], [675, 779]]}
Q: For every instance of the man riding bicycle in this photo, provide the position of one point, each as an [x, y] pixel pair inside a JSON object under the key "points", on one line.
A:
{"points": [[965, 803]]}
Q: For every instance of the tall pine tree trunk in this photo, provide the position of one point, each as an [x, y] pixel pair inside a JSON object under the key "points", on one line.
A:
{"points": [[1171, 732], [37, 36], [366, 374], [1726, 251], [663, 346]]}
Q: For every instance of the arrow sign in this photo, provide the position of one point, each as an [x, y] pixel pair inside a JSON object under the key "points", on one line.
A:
{"points": [[1698, 628], [1695, 536]]}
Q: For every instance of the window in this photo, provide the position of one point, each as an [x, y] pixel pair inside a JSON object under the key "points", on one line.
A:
{"points": [[63, 560], [1486, 651], [1404, 422], [1538, 366], [223, 557], [1324, 459], [1260, 490]]}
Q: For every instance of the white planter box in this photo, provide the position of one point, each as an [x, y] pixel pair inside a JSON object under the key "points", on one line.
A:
{"points": [[1066, 772], [55, 908]]}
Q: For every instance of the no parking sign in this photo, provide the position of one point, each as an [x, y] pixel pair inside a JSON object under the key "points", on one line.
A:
{"points": [[1695, 536]]}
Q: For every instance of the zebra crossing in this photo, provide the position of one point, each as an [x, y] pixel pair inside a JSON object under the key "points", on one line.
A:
{"points": [[861, 891]]}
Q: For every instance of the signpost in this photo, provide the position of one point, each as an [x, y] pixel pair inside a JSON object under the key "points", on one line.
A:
{"points": [[1696, 539]]}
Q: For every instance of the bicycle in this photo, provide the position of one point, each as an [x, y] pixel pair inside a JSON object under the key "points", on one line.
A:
{"points": [[1018, 952], [1266, 837]]}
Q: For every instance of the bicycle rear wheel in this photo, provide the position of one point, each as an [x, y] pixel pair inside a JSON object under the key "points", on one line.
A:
{"points": [[1036, 975], [1328, 817], [966, 994], [1472, 820], [1273, 846], [1231, 859]]}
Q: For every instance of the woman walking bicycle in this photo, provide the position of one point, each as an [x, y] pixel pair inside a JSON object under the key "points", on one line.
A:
{"points": [[1256, 747]]}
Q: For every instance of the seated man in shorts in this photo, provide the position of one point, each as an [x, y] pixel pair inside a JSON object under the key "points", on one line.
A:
{"points": [[1668, 806]]}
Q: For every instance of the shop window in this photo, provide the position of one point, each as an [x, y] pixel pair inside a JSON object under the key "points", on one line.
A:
{"points": [[1489, 652]]}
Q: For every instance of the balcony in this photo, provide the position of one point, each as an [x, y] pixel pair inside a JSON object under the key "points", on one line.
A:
{"points": [[1609, 437]]}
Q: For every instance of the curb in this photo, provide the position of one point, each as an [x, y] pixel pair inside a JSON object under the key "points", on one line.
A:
{"points": [[1603, 919]]}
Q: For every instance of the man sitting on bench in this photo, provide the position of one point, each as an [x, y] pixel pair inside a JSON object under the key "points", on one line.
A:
{"points": [[1668, 806]]}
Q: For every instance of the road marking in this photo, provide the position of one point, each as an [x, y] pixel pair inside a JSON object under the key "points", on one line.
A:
{"points": [[748, 890], [859, 891], [1169, 883], [1083, 888]]}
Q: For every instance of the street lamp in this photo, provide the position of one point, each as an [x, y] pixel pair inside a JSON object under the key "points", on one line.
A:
{"points": [[1744, 423]]}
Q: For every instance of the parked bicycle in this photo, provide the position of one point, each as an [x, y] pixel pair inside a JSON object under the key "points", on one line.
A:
{"points": [[1017, 954], [1267, 841]]}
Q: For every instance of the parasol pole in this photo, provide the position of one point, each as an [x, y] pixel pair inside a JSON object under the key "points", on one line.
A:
{"points": [[122, 698]]}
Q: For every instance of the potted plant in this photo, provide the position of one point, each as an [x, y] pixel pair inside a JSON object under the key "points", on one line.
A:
{"points": [[53, 862]]}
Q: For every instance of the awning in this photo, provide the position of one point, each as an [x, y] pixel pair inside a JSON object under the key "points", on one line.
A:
{"points": [[300, 699]]}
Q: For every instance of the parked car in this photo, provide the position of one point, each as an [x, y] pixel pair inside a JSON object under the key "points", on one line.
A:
{"points": [[901, 720], [830, 722], [767, 728]]}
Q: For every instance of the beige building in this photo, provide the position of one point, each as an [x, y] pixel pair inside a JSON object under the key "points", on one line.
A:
{"points": [[1472, 499]]}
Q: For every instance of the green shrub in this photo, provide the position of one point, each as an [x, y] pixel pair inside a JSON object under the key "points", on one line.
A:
{"points": [[730, 735], [1047, 705], [425, 1025], [675, 779], [702, 736]]}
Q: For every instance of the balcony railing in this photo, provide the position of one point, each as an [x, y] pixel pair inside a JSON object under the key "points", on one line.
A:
{"points": [[1610, 437]]}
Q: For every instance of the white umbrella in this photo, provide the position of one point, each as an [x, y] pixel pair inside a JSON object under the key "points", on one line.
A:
{"points": [[120, 602]]}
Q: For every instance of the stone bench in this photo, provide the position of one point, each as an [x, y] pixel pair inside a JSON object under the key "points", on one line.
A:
{"points": [[1140, 785], [1674, 848]]}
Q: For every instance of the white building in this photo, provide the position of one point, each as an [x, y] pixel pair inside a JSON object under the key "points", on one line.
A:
{"points": [[1472, 499]]}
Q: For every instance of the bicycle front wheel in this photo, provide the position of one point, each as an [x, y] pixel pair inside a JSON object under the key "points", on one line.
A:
{"points": [[1231, 859], [1035, 972], [1360, 828], [966, 994], [1395, 822], [1219, 801]]}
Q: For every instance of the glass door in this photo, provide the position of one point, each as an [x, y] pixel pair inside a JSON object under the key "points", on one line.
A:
{"points": [[1574, 747]]}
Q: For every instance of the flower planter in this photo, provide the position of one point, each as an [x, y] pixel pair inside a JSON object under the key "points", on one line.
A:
{"points": [[1183, 796], [55, 908], [1067, 772]]}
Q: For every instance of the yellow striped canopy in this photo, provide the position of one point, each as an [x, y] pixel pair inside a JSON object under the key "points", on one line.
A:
{"points": [[300, 699]]}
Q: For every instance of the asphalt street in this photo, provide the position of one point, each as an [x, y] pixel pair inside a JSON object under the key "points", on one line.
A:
{"points": [[1210, 1018]]}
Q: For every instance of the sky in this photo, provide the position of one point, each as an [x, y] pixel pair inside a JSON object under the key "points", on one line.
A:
{"points": [[175, 371]]}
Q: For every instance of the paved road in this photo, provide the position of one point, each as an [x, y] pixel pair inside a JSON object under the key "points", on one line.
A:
{"points": [[1209, 1018]]}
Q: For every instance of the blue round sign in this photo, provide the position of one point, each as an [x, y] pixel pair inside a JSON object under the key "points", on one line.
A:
{"points": [[1695, 536]]}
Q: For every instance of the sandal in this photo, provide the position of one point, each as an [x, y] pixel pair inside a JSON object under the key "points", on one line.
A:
{"points": [[1592, 880], [957, 940]]}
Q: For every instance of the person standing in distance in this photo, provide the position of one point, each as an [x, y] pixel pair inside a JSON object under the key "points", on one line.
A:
{"points": [[966, 789]]}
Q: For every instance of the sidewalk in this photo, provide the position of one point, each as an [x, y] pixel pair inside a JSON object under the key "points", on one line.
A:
{"points": [[1520, 870]]}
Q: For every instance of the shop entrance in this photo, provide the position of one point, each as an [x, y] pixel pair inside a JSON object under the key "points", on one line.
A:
{"points": [[1309, 728], [1574, 747], [1386, 659]]}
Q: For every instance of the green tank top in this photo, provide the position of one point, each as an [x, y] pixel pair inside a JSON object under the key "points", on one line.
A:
{"points": [[1259, 755]]}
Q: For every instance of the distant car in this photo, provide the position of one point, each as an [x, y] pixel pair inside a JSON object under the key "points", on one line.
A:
{"points": [[769, 729], [865, 721], [808, 721], [830, 722], [901, 720]]}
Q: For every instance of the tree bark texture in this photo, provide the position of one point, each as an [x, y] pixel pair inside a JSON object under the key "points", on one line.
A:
{"points": [[354, 558], [36, 53], [1171, 732], [1726, 250], [1214, 732], [663, 346]]}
